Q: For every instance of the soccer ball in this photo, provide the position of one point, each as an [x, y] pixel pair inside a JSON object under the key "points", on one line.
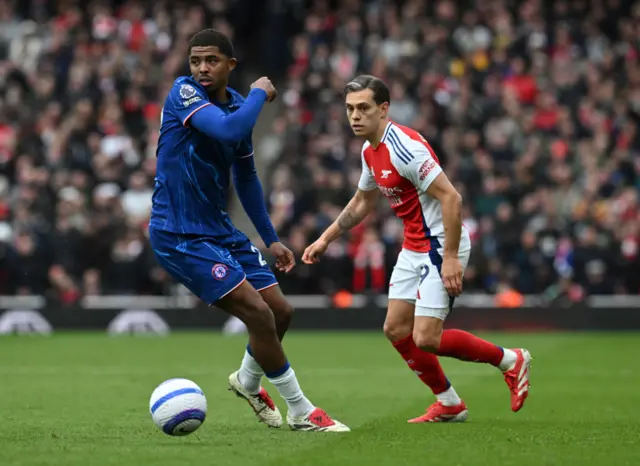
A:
{"points": [[178, 407]]}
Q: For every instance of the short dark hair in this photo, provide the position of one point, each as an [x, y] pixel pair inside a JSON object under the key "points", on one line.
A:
{"points": [[212, 38], [366, 81]]}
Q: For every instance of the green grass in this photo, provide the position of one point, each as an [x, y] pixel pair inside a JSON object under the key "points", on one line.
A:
{"points": [[82, 399]]}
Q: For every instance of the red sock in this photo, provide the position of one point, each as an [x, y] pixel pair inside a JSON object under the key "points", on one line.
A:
{"points": [[425, 365], [466, 347]]}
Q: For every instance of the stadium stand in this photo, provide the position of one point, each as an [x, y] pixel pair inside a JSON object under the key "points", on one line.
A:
{"points": [[531, 106]]}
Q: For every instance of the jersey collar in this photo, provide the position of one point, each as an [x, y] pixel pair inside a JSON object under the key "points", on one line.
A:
{"points": [[231, 103], [386, 132]]}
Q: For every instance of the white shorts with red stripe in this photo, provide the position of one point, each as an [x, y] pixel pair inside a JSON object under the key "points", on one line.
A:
{"points": [[416, 278]]}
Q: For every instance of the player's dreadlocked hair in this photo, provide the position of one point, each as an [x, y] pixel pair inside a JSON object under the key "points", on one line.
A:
{"points": [[366, 81], [212, 38]]}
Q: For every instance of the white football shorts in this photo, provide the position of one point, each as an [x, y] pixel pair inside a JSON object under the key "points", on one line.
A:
{"points": [[416, 279]]}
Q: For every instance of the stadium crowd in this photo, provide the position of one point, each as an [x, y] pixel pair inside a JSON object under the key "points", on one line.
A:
{"points": [[531, 106], [81, 89]]}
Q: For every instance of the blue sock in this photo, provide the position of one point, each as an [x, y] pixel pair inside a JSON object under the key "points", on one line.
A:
{"points": [[284, 379], [279, 372]]}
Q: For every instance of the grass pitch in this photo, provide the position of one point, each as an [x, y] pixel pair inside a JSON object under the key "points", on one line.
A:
{"points": [[82, 399]]}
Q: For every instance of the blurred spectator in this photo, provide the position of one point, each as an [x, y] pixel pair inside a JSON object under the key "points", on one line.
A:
{"points": [[28, 264], [369, 263]]}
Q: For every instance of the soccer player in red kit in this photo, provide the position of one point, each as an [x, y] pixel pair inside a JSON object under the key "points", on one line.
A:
{"points": [[399, 163]]}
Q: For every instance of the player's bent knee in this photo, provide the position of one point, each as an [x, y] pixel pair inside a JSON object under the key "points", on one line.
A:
{"points": [[396, 330], [428, 341], [399, 321], [259, 318], [428, 328], [283, 315], [284, 311]]}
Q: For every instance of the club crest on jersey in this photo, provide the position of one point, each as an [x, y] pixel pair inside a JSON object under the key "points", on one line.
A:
{"points": [[386, 173], [187, 91], [219, 271]]}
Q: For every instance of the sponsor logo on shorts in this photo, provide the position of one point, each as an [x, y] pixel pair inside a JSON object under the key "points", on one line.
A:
{"points": [[219, 271], [426, 168], [424, 271]]}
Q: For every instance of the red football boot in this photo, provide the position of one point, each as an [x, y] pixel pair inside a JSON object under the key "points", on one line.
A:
{"points": [[438, 412]]}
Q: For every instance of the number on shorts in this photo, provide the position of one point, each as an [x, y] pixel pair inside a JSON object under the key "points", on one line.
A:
{"points": [[423, 273], [260, 259]]}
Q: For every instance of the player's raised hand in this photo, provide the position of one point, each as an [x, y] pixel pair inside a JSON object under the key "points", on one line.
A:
{"points": [[266, 85], [313, 252], [285, 260], [451, 273]]}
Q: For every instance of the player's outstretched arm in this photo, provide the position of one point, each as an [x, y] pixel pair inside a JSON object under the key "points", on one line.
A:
{"points": [[358, 208], [234, 127], [355, 212]]}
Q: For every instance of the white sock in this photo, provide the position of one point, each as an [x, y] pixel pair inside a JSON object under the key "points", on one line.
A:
{"points": [[250, 374], [449, 397], [289, 389], [508, 360]]}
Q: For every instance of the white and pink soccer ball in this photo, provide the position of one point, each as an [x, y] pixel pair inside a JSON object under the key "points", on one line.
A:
{"points": [[178, 407]]}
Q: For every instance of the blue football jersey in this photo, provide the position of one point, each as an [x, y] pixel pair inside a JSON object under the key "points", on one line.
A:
{"points": [[193, 170]]}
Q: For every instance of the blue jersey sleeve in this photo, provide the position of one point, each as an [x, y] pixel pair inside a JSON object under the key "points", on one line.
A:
{"points": [[186, 100], [245, 148], [234, 127], [251, 195]]}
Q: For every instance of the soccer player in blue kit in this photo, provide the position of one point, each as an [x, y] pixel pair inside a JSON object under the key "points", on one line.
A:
{"points": [[205, 134]]}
